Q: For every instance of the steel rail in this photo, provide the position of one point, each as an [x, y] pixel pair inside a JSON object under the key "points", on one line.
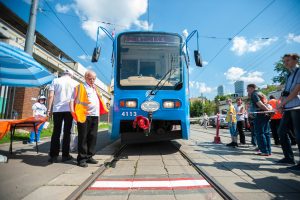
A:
{"points": [[76, 194], [221, 190]]}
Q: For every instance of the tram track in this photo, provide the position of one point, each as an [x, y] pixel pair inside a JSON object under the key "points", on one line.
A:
{"points": [[223, 192], [108, 163]]}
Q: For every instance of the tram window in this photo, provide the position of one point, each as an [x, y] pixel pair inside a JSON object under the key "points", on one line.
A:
{"points": [[129, 68], [147, 68]]}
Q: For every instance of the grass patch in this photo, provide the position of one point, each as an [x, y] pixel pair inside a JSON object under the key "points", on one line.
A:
{"points": [[24, 136], [103, 126]]}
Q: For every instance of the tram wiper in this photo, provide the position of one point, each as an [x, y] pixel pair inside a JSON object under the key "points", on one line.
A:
{"points": [[158, 86]]}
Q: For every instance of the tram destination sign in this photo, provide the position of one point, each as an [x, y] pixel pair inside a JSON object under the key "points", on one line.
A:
{"points": [[142, 38]]}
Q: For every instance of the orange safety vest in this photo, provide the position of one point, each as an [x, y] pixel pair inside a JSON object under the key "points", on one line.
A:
{"points": [[274, 103], [81, 103]]}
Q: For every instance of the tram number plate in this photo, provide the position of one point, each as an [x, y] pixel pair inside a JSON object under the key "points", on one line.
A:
{"points": [[129, 114]]}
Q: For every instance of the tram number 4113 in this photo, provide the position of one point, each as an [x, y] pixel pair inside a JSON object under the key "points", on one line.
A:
{"points": [[129, 114]]}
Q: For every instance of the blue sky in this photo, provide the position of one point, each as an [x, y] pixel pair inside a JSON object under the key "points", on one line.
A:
{"points": [[250, 56]]}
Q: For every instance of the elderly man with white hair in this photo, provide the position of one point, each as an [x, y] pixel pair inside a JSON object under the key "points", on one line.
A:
{"points": [[86, 106]]}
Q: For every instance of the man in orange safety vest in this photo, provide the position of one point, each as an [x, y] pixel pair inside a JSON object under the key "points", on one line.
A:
{"points": [[86, 106]]}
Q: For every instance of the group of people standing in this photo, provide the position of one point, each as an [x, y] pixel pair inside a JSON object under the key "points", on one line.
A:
{"points": [[69, 101], [281, 116]]}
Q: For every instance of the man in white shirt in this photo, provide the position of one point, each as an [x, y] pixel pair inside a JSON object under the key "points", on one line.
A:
{"points": [[60, 93]]}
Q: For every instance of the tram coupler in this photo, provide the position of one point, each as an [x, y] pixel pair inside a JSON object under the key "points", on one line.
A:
{"points": [[143, 123]]}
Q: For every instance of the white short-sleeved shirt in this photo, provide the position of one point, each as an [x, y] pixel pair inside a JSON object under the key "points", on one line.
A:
{"points": [[63, 88], [238, 110], [93, 106], [39, 109]]}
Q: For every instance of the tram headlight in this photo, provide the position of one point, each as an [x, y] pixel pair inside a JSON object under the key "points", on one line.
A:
{"points": [[168, 104], [171, 104], [130, 104]]}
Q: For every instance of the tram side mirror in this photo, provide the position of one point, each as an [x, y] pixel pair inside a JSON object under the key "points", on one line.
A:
{"points": [[96, 54], [197, 57]]}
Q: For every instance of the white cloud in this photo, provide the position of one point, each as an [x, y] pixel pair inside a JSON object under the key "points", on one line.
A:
{"points": [[185, 33], [62, 8], [201, 87], [204, 63], [241, 46], [236, 73], [125, 13], [291, 37], [85, 57]]}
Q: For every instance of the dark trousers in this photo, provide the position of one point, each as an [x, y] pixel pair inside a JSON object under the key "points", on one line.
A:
{"points": [[58, 118], [87, 138], [262, 130], [240, 128], [274, 123], [284, 129]]}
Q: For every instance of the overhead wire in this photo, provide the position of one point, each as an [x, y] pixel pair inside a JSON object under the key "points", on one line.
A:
{"points": [[74, 39], [243, 28]]}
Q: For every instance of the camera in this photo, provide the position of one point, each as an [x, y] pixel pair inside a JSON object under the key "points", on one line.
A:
{"points": [[285, 93]]}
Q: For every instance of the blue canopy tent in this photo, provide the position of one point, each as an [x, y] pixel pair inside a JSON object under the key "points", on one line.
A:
{"points": [[19, 69]]}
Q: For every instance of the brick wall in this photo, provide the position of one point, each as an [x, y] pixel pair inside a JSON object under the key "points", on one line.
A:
{"points": [[23, 102]]}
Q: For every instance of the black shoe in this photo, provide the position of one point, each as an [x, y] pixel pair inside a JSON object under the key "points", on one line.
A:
{"points": [[230, 144], [286, 161], [235, 144], [53, 159], [92, 161], [82, 164], [66, 158], [295, 167]]}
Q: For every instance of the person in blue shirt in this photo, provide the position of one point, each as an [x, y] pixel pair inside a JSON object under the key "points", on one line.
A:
{"points": [[290, 105]]}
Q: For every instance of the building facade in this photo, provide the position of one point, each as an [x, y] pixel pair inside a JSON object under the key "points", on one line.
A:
{"points": [[220, 90], [239, 88], [17, 101]]}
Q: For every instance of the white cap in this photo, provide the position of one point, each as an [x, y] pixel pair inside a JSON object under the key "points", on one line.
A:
{"points": [[42, 97], [69, 72]]}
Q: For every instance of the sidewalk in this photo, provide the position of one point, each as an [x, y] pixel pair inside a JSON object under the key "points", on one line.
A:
{"points": [[29, 175], [244, 174]]}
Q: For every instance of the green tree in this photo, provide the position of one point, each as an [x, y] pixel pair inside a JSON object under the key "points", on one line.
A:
{"points": [[282, 72], [209, 107], [196, 109], [269, 89]]}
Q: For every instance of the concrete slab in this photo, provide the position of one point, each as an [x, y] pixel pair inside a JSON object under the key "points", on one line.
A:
{"points": [[70, 179], [51, 192], [181, 162], [119, 172], [150, 197], [150, 163], [80, 170], [258, 195], [236, 184], [198, 196], [185, 169], [147, 170]]}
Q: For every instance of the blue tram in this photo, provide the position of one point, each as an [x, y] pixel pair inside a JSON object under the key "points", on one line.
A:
{"points": [[150, 88]]}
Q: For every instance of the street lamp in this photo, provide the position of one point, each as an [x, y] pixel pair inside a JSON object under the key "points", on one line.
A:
{"points": [[97, 49]]}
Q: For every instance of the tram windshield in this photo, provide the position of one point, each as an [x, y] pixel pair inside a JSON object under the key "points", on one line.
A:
{"points": [[144, 59]]}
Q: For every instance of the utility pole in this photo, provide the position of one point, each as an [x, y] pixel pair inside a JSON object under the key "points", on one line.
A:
{"points": [[31, 27]]}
